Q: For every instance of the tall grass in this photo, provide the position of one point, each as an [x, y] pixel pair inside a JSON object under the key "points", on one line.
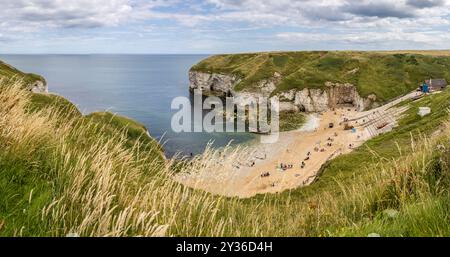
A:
{"points": [[92, 183], [62, 174]]}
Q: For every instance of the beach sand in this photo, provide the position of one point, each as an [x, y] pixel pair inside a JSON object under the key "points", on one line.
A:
{"points": [[243, 178]]}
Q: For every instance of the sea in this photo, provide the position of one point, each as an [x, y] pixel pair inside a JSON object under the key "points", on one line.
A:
{"points": [[141, 87]]}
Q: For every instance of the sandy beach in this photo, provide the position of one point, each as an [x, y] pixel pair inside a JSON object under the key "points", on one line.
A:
{"points": [[297, 157]]}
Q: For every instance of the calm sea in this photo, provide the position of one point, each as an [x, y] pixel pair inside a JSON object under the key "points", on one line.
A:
{"points": [[138, 86]]}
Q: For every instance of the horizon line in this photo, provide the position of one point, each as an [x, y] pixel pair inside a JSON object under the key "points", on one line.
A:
{"points": [[268, 51]]}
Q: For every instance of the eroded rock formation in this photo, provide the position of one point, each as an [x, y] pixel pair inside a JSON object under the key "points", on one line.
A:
{"points": [[39, 87], [308, 99]]}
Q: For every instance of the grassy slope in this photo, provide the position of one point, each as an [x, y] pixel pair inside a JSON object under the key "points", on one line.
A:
{"points": [[422, 52], [291, 120], [135, 132], [9, 72], [383, 74], [107, 122], [27, 174], [27, 171]]}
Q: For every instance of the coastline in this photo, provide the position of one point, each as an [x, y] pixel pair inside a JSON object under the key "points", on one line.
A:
{"points": [[257, 169]]}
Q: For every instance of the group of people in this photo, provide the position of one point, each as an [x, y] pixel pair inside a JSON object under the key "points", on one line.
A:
{"points": [[317, 149], [265, 175], [330, 142], [285, 167], [308, 157]]}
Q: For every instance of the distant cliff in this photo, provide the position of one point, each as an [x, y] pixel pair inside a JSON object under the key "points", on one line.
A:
{"points": [[307, 100], [317, 81], [111, 123], [31, 81]]}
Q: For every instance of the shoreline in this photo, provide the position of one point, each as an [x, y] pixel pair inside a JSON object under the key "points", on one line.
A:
{"points": [[245, 173]]}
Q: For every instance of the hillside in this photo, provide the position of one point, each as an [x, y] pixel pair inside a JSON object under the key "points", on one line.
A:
{"points": [[47, 147], [29, 79], [386, 75], [65, 174]]}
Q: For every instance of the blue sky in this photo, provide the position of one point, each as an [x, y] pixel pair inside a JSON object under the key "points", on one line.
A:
{"points": [[221, 26]]}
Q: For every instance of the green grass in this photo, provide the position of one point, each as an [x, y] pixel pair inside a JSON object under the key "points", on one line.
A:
{"points": [[107, 123], [421, 219], [51, 138], [383, 74], [291, 121], [135, 132], [41, 101], [8, 72]]}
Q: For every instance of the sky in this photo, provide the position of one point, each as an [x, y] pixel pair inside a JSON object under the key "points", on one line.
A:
{"points": [[220, 26]]}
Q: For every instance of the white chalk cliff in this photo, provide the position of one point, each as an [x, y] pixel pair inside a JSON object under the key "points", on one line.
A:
{"points": [[307, 99], [38, 87]]}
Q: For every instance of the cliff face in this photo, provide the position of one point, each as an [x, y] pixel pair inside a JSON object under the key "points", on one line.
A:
{"points": [[38, 86], [307, 100], [214, 84]]}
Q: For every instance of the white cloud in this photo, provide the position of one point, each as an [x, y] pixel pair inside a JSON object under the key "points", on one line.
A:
{"points": [[267, 13], [428, 39], [213, 21], [65, 13]]}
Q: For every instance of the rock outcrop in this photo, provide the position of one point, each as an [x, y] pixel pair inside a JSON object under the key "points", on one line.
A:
{"points": [[213, 84], [308, 99], [312, 100], [38, 87], [223, 85]]}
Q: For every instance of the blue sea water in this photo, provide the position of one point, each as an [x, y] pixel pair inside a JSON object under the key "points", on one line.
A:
{"points": [[138, 86]]}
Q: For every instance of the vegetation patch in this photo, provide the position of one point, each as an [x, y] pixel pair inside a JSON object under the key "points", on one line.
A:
{"points": [[291, 121], [387, 75], [7, 72]]}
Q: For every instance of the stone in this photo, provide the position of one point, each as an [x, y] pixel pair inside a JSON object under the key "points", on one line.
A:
{"points": [[217, 84], [39, 87], [287, 96]]}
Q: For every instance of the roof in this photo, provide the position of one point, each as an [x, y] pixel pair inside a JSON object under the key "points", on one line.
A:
{"points": [[436, 82]]}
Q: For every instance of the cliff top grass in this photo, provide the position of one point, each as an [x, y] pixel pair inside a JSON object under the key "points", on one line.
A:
{"points": [[385, 74], [422, 52], [9, 72], [135, 132]]}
